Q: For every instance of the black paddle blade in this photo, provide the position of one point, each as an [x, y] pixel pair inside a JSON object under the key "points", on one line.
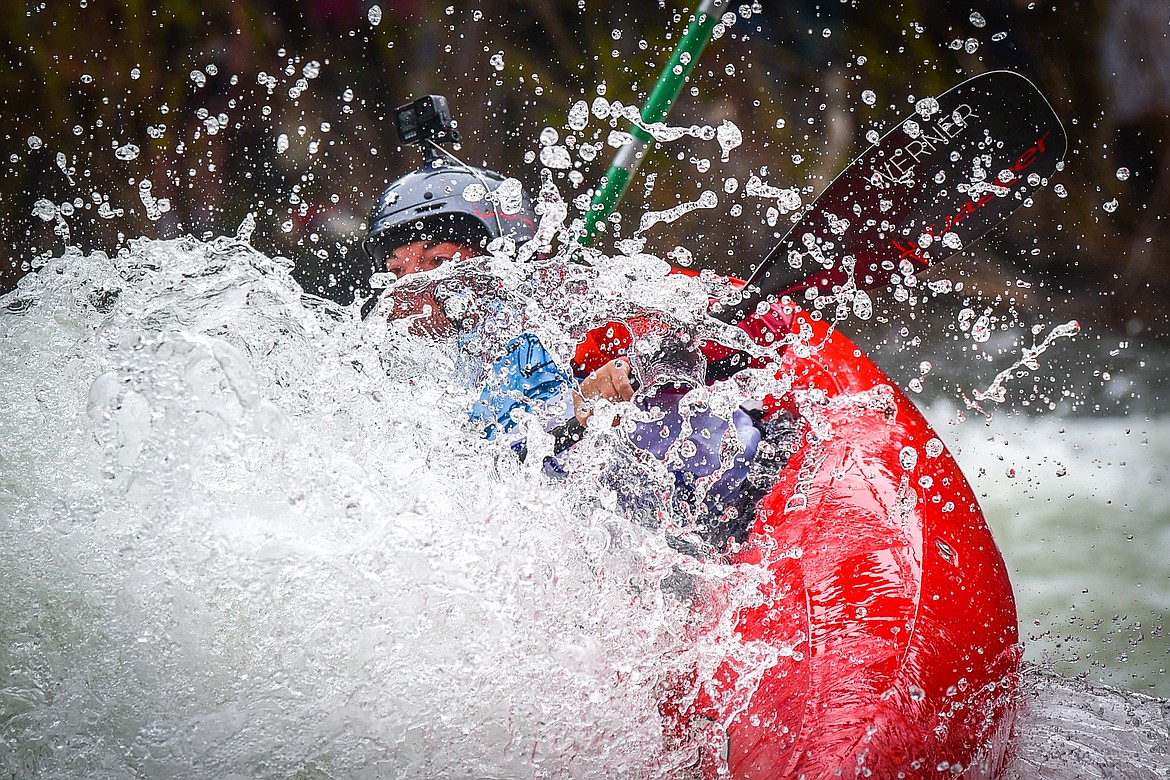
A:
{"points": [[934, 184]]}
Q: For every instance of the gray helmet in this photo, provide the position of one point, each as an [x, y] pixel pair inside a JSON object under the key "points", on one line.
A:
{"points": [[448, 201]]}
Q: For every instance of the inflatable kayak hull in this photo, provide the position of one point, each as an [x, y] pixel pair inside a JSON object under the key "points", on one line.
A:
{"points": [[885, 619]]}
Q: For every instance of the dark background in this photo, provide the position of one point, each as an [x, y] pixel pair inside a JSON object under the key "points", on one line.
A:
{"points": [[90, 77]]}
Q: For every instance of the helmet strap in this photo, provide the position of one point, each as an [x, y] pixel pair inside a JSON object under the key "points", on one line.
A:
{"points": [[433, 147]]}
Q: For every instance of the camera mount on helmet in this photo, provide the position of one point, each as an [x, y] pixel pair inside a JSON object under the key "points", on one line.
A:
{"points": [[426, 122]]}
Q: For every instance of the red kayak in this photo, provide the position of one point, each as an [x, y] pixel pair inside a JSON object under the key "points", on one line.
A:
{"points": [[877, 636], [885, 600]]}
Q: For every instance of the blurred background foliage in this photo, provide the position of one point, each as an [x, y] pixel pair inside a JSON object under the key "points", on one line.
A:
{"points": [[285, 109]]}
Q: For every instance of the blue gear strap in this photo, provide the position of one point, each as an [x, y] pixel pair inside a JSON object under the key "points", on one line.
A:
{"points": [[525, 375]]}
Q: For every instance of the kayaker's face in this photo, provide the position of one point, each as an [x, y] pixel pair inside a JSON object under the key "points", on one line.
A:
{"points": [[422, 300], [419, 256]]}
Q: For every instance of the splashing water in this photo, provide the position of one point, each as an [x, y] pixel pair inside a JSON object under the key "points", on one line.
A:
{"points": [[997, 390], [707, 200], [729, 137], [243, 534], [787, 199], [579, 116], [127, 152], [274, 519]]}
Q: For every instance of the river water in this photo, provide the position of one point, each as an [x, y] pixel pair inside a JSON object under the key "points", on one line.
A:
{"points": [[245, 534], [1078, 509]]}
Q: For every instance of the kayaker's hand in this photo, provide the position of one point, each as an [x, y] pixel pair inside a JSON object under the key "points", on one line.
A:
{"points": [[426, 312], [611, 382]]}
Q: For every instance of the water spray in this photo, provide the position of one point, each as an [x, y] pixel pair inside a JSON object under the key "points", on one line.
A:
{"points": [[617, 179]]}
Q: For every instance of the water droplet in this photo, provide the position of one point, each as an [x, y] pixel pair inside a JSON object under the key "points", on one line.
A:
{"points": [[1110, 206], [579, 115], [916, 693], [977, 19], [826, 33], [999, 36], [282, 143], [971, 46], [555, 157], [45, 210], [927, 107], [680, 256], [375, 15], [34, 142], [1122, 173], [872, 136], [312, 70], [911, 128], [869, 97], [862, 305], [981, 329], [549, 136], [199, 77], [246, 228], [908, 457], [135, 74], [510, 196], [934, 448], [729, 137], [601, 108], [497, 60]]}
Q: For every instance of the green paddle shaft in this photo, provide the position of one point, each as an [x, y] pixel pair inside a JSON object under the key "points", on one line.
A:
{"points": [[670, 83]]}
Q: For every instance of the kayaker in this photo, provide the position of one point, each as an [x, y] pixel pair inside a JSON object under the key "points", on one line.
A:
{"points": [[423, 226], [423, 221], [429, 228]]}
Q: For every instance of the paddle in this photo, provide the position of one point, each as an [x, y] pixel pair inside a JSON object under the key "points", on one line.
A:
{"points": [[670, 82], [937, 182]]}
